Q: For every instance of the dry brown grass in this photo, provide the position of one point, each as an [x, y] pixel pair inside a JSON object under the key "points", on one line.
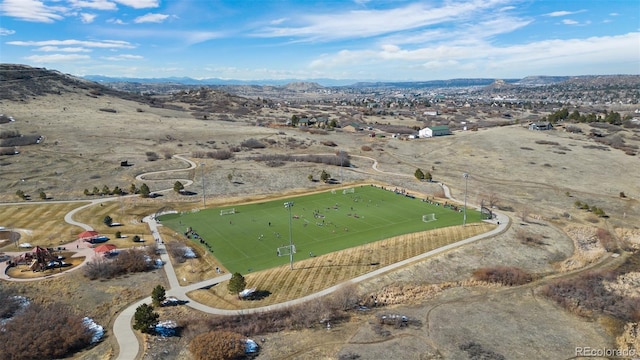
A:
{"points": [[39, 224], [318, 273]]}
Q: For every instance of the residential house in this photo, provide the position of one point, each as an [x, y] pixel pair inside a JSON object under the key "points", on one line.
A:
{"points": [[540, 126], [434, 131]]}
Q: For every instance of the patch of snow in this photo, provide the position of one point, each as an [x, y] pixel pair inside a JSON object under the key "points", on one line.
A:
{"points": [[97, 330], [189, 253], [247, 292], [166, 328], [250, 346]]}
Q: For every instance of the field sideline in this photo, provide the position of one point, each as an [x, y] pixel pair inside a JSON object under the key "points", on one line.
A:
{"points": [[321, 223]]}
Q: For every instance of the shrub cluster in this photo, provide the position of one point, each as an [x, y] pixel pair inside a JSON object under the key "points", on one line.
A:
{"points": [[7, 151], [253, 144], [529, 238], [573, 129], [594, 209], [319, 159], [50, 331], [128, 261], [222, 345], [308, 315], [587, 294], [9, 134], [152, 156], [176, 250], [220, 154], [617, 142], [9, 305], [477, 351], [20, 140], [606, 239], [546, 142], [505, 275]]}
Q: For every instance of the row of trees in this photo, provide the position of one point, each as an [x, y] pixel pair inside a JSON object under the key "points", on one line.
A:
{"points": [[24, 196], [143, 190], [295, 121], [324, 176], [145, 317], [612, 117], [423, 175]]}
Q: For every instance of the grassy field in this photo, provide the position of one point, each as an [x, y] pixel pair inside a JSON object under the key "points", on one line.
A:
{"points": [[321, 223]]}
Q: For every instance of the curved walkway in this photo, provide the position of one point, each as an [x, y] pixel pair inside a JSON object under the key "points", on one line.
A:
{"points": [[81, 248], [122, 329]]}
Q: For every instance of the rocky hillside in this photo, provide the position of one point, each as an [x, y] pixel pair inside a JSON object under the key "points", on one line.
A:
{"points": [[21, 82]]}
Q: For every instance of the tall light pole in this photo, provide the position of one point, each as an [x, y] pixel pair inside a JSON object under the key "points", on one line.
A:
{"points": [[341, 159], [204, 202], [289, 205], [464, 217]]}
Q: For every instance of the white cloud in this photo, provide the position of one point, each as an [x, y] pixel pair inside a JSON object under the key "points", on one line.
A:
{"points": [[614, 14], [563, 13], [278, 21], [116, 21], [62, 49], [94, 4], [56, 58], [123, 57], [569, 22], [5, 32], [104, 44], [87, 18], [196, 37], [468, 33], [139, 4], [32, 10], [367, 23], [151, 18], [566, 56]]}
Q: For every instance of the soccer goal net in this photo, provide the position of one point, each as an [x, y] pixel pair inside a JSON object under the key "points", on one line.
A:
{"points": [[348, 191], [227, 211], [429, 217], [286, 250]]}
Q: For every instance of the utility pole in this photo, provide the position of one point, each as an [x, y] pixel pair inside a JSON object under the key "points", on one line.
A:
{"points": [[204, 201], [464, 217], [289, 205], [341, 159]]}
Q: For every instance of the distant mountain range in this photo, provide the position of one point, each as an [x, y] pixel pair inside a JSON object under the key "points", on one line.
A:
{"points": [[215, 81], [528, 81]]}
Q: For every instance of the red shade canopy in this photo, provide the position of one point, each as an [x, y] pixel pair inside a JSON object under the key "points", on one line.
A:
{"points": [[87, 234], [104, 248]]}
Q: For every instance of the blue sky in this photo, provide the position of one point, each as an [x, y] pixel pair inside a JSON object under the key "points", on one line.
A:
{"points": [[293, 39]]}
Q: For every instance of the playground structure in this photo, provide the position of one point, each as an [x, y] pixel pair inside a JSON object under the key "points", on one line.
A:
{"points": [[39, 259]]}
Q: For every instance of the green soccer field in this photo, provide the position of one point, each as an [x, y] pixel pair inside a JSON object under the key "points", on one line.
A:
{"points": [[249, 239]]}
